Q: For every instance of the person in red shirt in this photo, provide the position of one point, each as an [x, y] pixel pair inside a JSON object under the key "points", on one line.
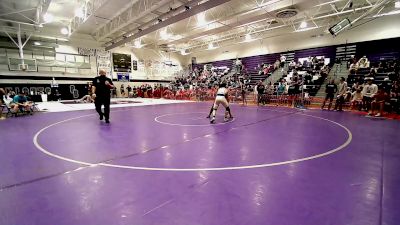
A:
{"points": [[379, 103]]}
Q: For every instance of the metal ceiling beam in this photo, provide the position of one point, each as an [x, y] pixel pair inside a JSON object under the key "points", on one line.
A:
{"points": [[18, 22], [89, 9], [164, 16], [236, 20], [41, 9], [135, 12], [369, 9], [186, 14], [16, 12]]}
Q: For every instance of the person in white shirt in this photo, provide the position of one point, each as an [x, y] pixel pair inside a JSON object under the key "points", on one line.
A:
{"points": [[282, 60], [369, 91], [342, 89], [221, 98], [363, 62], [356, 99], [238, 64]]}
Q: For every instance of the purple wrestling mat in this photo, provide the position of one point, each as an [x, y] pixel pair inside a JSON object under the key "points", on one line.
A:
{"points": [[166, 165]]}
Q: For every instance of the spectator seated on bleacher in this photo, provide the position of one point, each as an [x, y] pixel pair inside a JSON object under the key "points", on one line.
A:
{"points": [[277, 64], [363, 62], [291, 65], [395, 97], [356, 86], [2, 94], [353, 68], [356, 99], [369, 91], [378, 103], [2, 102]]}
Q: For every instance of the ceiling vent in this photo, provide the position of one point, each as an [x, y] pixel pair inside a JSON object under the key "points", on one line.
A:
{"points": [[286, 13]]}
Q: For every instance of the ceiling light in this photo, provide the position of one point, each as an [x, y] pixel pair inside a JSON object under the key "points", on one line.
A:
{"points": [[184, 52], [138, 43], [79, 12], [395, 12], [306, 29], [397, 4], [64, 31], [212, 46], [201, 19], [37, 43], [48, 18], [303, 25], [164, 34], [247, 37]]}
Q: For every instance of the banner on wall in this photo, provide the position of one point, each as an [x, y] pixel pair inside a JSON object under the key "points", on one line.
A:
{"points": [[104, 61], [123, 77], [87, 51], [135, 65]]}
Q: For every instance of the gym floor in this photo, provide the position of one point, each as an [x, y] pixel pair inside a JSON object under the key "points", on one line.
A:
{"points": [[165, 164]]}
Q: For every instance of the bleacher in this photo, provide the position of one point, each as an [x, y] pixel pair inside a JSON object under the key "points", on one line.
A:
{"points": [[252, 64], [362, 73]]}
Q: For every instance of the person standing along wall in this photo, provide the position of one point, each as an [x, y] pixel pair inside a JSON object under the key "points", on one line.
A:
{"points": [[342, 89]]}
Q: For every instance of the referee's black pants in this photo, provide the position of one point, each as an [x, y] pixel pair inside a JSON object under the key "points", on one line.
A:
{"points": [[99, 101]]}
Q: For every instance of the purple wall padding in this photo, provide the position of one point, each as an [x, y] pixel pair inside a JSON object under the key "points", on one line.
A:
{"points": [[328, 52], [221, 63], [379, 50], [374, 50]]}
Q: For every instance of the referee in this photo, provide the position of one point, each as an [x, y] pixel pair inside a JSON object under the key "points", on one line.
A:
{"points": [[101, 94]]}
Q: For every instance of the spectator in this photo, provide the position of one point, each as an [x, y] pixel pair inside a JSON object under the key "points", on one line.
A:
{"points": [[356, 86], [277, 64], [129, 91], [357, 99], [238, 64], [363, 62], [114, 92], [330, 90], [395, 97], [292, 65], [2, 95], [369, 91], [122, 89], [353, 68], [260, 91], [20, 103], [378, 103], [282, 61], [352, 60], [342, 89], [281, 89]]}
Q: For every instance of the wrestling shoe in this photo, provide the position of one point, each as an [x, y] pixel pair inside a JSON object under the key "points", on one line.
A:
{"points": [[212, 121]]}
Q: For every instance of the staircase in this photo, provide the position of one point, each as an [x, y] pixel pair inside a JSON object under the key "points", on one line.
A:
{"points": [[289, 57], [345, 52], [275, 76], [255, 77]]}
